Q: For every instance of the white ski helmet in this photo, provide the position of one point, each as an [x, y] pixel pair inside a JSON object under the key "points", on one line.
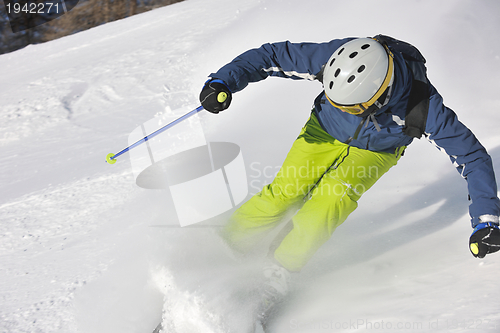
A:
{"points": [[357, 74]]}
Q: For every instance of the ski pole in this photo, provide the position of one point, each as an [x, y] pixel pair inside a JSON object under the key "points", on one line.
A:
{"points": [[111, 158]]}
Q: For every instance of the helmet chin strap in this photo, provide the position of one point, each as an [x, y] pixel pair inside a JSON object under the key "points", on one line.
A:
{"points": [[369, 114], [377, 105], [371, 117], [381, 102]]}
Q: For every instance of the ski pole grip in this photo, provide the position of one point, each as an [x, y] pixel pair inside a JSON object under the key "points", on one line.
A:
{"points": [[221, 97], [474, 248]]}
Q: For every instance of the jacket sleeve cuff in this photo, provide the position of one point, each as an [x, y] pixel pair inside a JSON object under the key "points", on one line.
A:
{"points": [[486, 218]]}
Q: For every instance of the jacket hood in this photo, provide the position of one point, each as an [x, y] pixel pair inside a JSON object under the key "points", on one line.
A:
{"points": [[402, 83]]}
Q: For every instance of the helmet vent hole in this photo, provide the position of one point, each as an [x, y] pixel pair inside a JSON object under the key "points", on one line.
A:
{"points": [[337, 72], [331, 84], [351, 78], [361, 68], [364, 47], [341, 50], [352, 55], [331, 62]]}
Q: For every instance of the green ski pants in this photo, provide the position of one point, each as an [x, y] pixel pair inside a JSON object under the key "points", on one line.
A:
{"points": [[323, 178]]}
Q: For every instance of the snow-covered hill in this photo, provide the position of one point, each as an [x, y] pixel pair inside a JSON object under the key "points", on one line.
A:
{"points": [[83, 249]]}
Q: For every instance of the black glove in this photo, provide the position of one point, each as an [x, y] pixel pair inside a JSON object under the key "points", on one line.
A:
{"points": [[215, 96], [485, 239]]}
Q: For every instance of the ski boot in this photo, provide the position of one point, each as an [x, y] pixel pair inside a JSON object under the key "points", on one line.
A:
{"points": [[275, 287]]}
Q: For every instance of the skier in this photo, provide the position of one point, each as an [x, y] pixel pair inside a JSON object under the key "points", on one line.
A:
{"points": [[376, 100]]}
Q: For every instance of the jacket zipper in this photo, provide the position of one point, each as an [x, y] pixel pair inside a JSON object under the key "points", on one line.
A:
{"points": [[356, 133]]}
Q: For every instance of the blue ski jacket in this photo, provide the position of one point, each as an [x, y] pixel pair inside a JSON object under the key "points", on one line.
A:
{"points": [[300, 61]]}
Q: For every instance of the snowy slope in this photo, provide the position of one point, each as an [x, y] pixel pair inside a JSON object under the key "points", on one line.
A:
{"points": [[83, 249]]}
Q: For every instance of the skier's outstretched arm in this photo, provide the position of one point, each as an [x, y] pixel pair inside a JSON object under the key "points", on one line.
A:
{"points": [[474, 164], [297, 61]]}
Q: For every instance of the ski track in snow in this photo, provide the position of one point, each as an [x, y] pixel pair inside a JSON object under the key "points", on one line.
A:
{"points": [[81, 250]]}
